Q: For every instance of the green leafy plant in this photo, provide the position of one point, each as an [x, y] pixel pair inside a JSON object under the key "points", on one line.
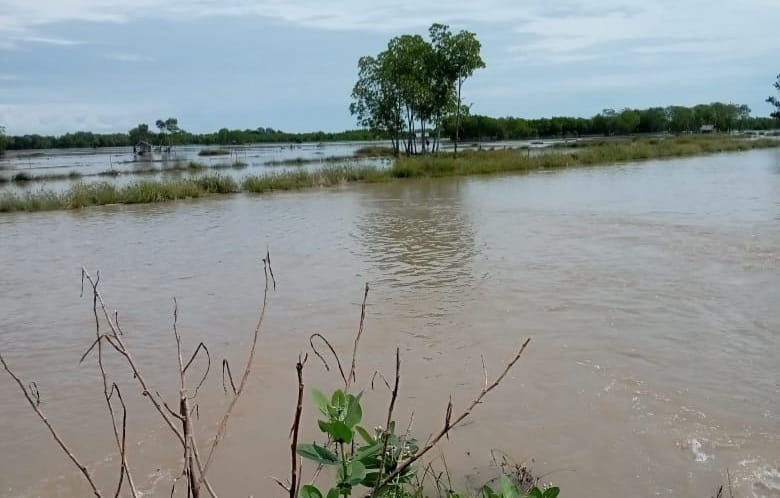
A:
{"points": [[508, 489], [361, 457]]}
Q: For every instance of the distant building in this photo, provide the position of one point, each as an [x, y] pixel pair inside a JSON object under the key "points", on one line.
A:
{"points": [[142, 149], [707, 128]]}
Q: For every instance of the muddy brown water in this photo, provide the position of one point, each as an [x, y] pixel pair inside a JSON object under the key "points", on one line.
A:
{"points": [[649, 290]]}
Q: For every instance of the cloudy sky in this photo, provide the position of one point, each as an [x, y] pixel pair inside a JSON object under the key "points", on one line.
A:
{"points": [[106, 65]]}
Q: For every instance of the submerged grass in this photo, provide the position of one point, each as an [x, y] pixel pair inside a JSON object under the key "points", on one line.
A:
{"points": [[105, 193], [602, 152], [214, 152], [466, 163], [375, 151]]}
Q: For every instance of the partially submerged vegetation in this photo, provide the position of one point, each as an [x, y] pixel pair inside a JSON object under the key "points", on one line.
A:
{"points": [[104, 193], [214, 152], [465, 163]]}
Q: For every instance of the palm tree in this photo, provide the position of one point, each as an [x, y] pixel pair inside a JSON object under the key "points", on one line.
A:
{"points": [[160, 124]]}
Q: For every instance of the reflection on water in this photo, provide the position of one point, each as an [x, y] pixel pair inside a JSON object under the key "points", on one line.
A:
{"points": [[418, 236]]}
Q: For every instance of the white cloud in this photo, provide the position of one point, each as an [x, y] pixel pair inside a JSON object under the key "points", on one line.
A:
{"points": [[569, 26], [44, 40], [128, 57], [54, 117]]}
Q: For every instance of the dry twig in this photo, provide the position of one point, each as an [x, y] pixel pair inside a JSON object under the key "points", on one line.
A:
{"points": [[35, 405], [247, 369], [449, 424]]}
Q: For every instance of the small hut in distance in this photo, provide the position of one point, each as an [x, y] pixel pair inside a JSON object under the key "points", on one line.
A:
{"points": [[707, 129], [143, 149]]}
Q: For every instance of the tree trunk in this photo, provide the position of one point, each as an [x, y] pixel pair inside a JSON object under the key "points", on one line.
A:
{"points": [[457, 117]]}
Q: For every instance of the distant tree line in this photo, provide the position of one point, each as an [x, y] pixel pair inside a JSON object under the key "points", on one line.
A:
{"points": [[173, 135], [672, 119]]}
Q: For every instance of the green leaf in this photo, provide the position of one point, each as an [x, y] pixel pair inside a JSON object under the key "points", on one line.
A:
{"points": [[317, 454], [339, 399], [354, 412], [320, 400], [508, 488], [535, 493], [333, 493], [488, 493], [309, 491], [552, 492], [340, 432], [365, 435], [369, 451], [324, 426], [357, 472]]}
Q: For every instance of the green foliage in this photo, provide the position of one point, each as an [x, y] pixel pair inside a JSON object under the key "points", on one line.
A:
{"points": [[774, 100], [414, 81], [674, 119], [214, 152], [508, 489], [358, 455]]}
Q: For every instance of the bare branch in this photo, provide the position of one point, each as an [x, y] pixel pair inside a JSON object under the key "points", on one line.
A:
{"points": [[247, 369], [34, 404], [351, 377], [332, 350], [226, 367], [373, 377], [294, 479], [390, 408], [201, 347], [121, 348], [124, 469], [449, 424], [120, 441]]}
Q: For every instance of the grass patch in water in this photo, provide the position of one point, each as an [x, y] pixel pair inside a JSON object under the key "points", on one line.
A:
{"points": [[104, 193], [466, 163], [598, 153], [375, 151], [213, 152]]}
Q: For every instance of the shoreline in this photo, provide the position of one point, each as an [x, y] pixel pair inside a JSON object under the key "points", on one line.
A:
{"points": [[467, 163]]}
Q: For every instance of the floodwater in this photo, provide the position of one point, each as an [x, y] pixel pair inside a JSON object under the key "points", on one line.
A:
{"points": [[120, 166], [94, 165], [649, 290]]}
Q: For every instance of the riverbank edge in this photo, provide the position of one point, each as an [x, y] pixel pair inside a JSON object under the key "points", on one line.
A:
{"points": [[468, 163]]}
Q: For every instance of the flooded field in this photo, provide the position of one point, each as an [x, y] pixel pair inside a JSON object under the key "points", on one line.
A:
{"points": [[649, 290]]}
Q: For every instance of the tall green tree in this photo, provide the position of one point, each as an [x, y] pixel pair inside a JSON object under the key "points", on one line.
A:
{"points": [[139, 133], [415, 82], [172, 129], [462, 57], [160, 124], [774, 100], [376, 98]]}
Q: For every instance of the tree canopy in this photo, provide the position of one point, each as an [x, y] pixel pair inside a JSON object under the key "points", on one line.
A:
{"points": [[774, 100], [415, 82]]}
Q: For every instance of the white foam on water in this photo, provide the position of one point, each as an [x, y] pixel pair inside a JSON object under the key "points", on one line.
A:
{"points": [[695, 446], [766, 482]]}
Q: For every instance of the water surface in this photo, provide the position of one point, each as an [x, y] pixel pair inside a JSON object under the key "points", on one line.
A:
{"points": [[650, 291]]}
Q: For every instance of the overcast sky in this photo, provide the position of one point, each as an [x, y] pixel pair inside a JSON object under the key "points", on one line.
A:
{"points": [[106, 65]]}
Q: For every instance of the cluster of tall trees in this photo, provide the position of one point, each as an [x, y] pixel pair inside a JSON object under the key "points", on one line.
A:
{"points": [[415, 84], [2, 140], [673, 119]]}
